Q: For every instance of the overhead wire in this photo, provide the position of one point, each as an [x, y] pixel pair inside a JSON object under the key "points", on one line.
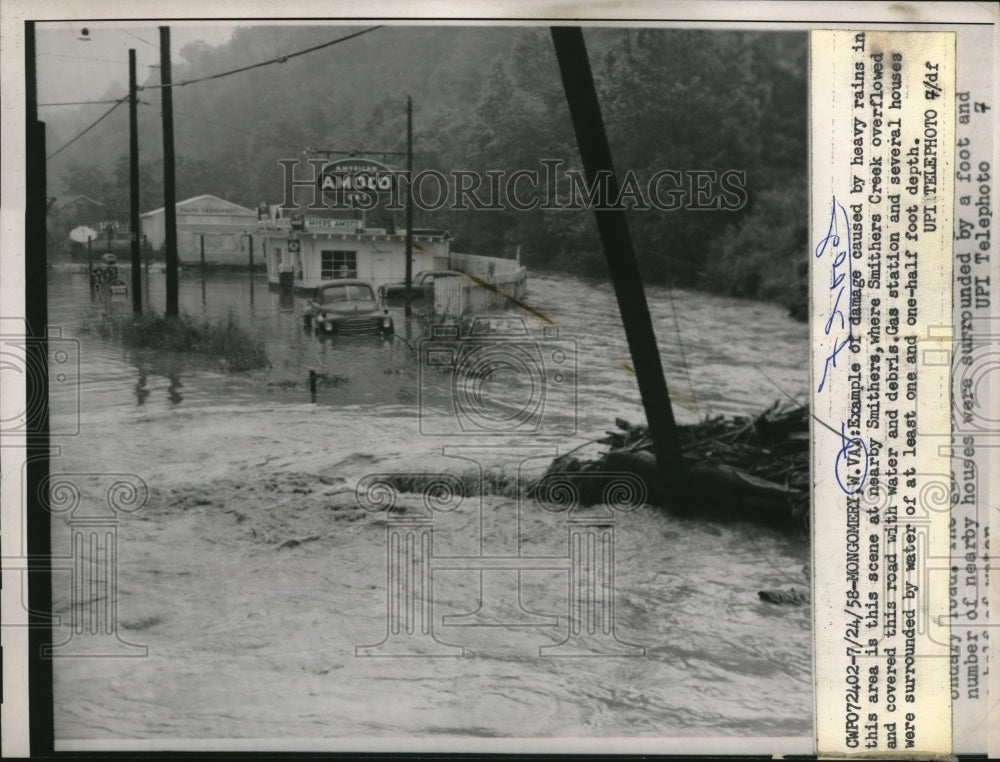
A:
{"points": [[91, 126], [88, 58], [140, 39], [80, 103], [680, 346], [277, 59]]}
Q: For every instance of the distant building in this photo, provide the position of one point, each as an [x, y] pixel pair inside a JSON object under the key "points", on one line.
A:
{"points": [[317, 249], [76, 206], [224, 225], [68, 211]]}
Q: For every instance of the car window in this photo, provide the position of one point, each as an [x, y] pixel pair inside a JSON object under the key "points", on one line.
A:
{"points": [[346, 293]]}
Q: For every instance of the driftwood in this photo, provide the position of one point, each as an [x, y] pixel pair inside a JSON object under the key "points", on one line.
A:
{"points": [[755, 469], [791, 597]]}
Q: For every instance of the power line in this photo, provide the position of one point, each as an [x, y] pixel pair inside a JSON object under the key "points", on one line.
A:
{"points": [[88, 129], [137, 37], [86, 58], [278, 59], [81, 103]]}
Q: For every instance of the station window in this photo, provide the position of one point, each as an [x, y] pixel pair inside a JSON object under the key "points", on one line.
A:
{"points": [[339, 264]]}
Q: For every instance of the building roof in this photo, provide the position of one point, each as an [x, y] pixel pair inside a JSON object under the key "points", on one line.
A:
{"points": [[203, 197], [61, 202]]}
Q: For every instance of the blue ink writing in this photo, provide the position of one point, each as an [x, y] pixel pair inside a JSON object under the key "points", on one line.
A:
{"points": [[837, 321]]}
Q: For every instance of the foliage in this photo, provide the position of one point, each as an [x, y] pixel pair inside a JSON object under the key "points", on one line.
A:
{"points": [[225, 339], [761, 257]]}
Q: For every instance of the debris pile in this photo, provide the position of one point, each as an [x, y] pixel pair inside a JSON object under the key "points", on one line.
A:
{"points": [[745, 468]]}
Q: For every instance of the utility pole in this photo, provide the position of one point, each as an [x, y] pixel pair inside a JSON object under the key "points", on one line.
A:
{"points": [[585, 111], [250, 238], [90, 266], [202, 269], [133, 173], [409, 206], [169, 192], [36, 423]]}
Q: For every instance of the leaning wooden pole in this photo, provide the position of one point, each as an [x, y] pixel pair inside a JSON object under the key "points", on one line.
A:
{"points": [[585, 111]]}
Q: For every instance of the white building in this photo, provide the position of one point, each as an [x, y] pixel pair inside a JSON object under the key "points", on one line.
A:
{"points": [[324, 248], [226, 228]]}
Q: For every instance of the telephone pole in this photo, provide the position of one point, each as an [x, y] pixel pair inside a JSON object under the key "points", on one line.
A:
{"points": [[169, 192], [36, 422], [409, 206], [585, 111], [133, 174]]}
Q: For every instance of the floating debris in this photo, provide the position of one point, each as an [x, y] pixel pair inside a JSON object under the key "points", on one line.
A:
{"points": [[752, 468], [790, 597]]}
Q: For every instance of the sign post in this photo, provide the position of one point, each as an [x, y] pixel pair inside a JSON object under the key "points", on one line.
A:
{"points": [[84, 234]]}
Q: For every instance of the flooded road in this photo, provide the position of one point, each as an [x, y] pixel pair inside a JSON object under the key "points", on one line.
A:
{"points": [[253, 578]]}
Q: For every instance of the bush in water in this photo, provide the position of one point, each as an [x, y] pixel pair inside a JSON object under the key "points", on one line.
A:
{"points": [[225, 338]]}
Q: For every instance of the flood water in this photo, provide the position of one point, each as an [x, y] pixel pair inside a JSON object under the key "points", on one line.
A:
{"points": [[251, 575]]}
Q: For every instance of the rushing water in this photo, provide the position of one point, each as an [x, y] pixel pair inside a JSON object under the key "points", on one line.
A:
{"points": [[251, 575]]}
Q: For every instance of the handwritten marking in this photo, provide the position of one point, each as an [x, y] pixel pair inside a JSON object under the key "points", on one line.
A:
{"points": [[851, 464], [837, 284]]}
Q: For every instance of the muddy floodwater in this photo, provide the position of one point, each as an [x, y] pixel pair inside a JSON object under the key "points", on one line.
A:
{"points": [[255, 596]]}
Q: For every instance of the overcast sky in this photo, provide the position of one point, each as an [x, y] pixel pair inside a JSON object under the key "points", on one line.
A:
{"points": [[71, 69]]}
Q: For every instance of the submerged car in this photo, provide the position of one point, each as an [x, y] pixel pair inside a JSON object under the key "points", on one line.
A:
{"points": [[348, 308], [422, 285]]}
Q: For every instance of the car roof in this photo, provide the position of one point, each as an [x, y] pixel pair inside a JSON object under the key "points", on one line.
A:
{"points": [[344, 282]]}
